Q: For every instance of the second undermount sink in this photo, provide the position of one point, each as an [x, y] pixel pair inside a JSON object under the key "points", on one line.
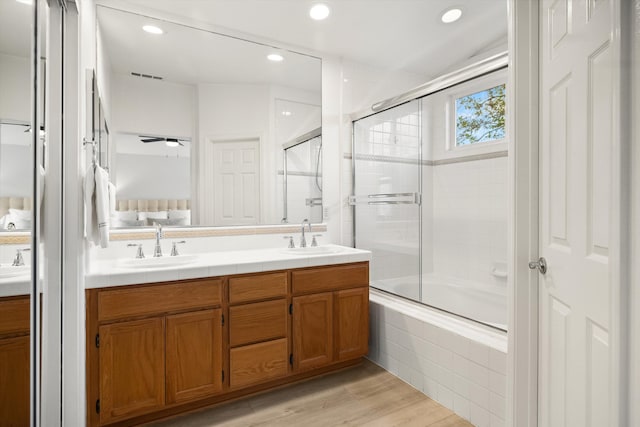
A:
{"points": [[313, 250], [8, 271], [159, 262]]}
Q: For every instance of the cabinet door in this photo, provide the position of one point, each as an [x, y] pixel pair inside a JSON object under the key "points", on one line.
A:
{"points": [[131, 369], [351, 323], [14, 381], [194, 355], [312, 331]]}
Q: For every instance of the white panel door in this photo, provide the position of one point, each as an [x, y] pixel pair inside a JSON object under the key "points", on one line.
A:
{"points": [[578, 129], [236, 182]]}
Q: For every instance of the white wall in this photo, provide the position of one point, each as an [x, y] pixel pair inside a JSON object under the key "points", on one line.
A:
{"points": [[15, 88], [155, 107], [153, 177]]}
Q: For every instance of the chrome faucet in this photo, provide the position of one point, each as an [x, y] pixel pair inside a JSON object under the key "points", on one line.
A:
{"points": [[18, 261], [303, 240], [157, 251]]}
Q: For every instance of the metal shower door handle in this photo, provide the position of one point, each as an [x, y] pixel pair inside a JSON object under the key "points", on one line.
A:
{"points": [[540, 265]]}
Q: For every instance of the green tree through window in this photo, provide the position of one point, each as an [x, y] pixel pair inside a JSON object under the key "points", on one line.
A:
{"points": [[480, 116]]}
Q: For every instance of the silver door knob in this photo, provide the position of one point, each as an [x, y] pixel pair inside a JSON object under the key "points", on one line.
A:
{"points": [[540, 265]]}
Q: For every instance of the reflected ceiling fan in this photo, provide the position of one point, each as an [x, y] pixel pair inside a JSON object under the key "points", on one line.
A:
{"points": [[170, 142]]}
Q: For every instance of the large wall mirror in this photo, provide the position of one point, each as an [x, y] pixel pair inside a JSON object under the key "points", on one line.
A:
{"points": [[15, 117], [197, 121]]}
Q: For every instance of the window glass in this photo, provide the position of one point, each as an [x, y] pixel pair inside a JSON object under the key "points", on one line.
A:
{"points": [[480, 116]]}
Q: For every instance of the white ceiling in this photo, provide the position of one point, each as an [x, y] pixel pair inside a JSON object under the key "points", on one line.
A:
{"points": [[403, 35], [191, 56]]}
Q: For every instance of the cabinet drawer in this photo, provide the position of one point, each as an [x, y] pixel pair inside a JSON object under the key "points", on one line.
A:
{"points": [[331, 278], [255, 288], [142, 301], [257, 322], [257, 363], [14, 315]]}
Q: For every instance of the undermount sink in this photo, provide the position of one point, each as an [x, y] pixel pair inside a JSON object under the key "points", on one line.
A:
{"points": [[313, 250], [7, 271], [159, 262]]}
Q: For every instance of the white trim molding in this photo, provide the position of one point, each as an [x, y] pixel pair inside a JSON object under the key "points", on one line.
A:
{"points": [[522, 126]]}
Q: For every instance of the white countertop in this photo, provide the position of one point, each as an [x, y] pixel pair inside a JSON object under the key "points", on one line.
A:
{"points": [[14, 286], [111, 273]]}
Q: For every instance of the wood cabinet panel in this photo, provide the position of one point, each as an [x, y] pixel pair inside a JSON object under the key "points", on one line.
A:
{"points": [[260, 321], [351, 323], [148, 300], [132, 380], [323, 279], [14, 315], [312, 331], [257, 363], [194, 355], [258, 287], [14, 381]]}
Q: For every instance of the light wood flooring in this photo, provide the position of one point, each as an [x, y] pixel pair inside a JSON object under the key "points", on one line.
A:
{"points": [[365, 395]]}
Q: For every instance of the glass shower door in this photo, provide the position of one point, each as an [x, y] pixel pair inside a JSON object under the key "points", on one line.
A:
{"points": [[387, 195]]}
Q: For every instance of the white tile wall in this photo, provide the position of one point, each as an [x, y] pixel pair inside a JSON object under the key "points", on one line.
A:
{"points": [[461, 373]]}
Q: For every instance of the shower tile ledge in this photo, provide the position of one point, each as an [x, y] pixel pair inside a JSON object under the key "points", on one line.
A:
{"points": [[108, 273]]}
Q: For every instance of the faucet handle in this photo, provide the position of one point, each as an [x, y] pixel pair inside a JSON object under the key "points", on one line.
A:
{"points": [[291, 242], [18, 261], [314, 242], [174, 247], [139, 252]]}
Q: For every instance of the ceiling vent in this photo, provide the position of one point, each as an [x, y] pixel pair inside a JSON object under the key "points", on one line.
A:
{"points": [[146, 76]]}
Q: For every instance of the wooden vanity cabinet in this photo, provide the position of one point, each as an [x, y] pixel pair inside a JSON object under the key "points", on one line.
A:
{"points": [[258, 328], [330, 326], [156, 350], [132, 358], [14, 360], [194, 355]]}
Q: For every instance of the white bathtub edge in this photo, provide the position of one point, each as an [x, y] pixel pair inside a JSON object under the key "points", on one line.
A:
{"points": [[481, 334]]}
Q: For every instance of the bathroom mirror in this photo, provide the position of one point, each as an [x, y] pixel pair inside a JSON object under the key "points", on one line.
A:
{"points": [[15, 115], [197, 121], [303, 178]]}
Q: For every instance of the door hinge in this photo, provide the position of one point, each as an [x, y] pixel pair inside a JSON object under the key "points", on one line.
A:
{"points": [[222, 376], [290, 308], [98, 406], [97, 340], [291, 359], [223, 320]]}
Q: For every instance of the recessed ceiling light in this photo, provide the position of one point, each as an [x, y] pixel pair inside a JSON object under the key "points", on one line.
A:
{"points": [[319, 11], [286, 113], [152, 29], [171, 143], [29, 2], [345, 80], [451, 15], [275, 57]]}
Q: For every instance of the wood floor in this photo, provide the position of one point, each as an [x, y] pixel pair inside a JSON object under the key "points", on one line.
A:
{"points": [[365, 395]]}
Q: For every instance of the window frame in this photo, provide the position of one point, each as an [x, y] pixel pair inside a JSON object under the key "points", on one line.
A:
{"points": [[476, 85]]}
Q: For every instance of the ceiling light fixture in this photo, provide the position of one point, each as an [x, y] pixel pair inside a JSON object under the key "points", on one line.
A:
{"points": [[319, 11], [286, 113], [275, 57], [451, 15], [152, 29], [172, 143]]}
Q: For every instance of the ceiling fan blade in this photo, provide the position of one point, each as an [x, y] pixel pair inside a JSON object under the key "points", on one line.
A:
{"points": [[152, 140]]}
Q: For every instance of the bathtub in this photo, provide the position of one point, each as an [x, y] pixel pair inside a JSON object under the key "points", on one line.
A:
{"points": [[457, 362], [484, 303]]}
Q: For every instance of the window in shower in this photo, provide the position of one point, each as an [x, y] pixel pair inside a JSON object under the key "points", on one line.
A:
{"points": [[480, 116]]}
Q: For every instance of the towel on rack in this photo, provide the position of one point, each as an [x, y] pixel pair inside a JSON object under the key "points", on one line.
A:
{"points": [[90, 218], [112, 200], [102, 205], [96, 199]]}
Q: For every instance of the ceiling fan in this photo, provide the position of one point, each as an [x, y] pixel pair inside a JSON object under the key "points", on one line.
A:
{"points": [[170, 142]]}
